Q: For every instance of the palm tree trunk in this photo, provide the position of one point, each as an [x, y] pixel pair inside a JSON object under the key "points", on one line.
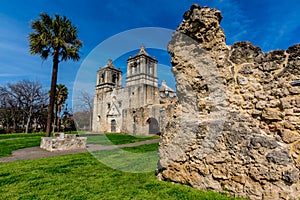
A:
{"points": [[52, 93], [55, 117], [58, 118]]}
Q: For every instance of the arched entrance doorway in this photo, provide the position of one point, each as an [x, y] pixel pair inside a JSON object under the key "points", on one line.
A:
{"points": [[113, 124], [153, 126]]}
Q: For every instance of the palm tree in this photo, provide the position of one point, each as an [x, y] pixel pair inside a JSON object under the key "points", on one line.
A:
{"points": [[55, 37], [61, 96]]}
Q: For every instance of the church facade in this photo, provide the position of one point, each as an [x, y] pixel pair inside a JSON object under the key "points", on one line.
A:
{"points": [[136, 108]]}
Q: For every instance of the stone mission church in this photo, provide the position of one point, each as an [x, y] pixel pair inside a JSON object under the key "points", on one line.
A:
{"points": [[137, 108]]}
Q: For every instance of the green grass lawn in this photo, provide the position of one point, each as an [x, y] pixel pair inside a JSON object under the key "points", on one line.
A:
{"points": [[20, 135], [138, 159], [11, 142], [82, 176], [115, 138]]}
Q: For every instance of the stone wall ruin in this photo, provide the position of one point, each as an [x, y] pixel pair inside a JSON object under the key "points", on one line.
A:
{"points": [[236, 125]]}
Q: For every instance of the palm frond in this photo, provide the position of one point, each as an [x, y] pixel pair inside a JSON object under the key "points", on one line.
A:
{"points": [[55, 33]]}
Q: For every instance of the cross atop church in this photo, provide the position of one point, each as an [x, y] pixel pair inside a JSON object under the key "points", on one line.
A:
{"points": [[109, 62], [143, 51], [142, 48]]}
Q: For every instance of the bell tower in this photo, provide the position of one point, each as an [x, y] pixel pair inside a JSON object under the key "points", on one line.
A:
{"points": [[142, 69], [108, 78]]}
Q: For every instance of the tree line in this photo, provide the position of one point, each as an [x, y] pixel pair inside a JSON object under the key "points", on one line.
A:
{"points": [[23, 107]]}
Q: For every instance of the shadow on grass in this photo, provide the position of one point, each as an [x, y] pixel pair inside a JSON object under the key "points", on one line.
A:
{"points": [[138, 159]]}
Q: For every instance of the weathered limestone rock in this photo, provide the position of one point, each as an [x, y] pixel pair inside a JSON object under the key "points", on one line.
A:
{"points": [[63, 142], [235, 127]]}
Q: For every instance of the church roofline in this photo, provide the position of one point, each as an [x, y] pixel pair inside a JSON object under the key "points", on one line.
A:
{"points": [[109, 65], [165, 87], [141, 53]]}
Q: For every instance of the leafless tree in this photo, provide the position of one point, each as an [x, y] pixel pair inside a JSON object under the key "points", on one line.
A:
{"points": [[84, 110], [21, 101]]}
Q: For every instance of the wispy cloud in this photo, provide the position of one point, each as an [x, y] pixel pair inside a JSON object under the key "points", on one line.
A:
{"points": [[235, 21], [283, 25], [15, 60], [268, 24]]}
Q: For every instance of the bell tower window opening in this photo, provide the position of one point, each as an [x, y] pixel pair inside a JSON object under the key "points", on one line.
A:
{"points": [[134, 68], [150, 70], [114, 78], [102, 78]]}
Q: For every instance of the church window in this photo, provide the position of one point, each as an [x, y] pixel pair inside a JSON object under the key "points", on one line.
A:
{"points": [[108, 106], [120, 104], [102, 78], [150, 69], [134, 68], [114, 78]]}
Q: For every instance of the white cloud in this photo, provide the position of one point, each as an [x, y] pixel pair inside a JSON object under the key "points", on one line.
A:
{"points": [[283, 26], [235, 22]]}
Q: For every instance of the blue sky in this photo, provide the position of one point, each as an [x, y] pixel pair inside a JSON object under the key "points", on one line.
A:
{"points": [[270, 24]]}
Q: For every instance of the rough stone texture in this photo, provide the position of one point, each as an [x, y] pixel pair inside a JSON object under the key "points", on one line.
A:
{"points": [[63, 142], [235, 127]]}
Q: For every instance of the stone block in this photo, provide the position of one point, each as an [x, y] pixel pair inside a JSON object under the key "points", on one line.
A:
{"points": [[296, 147], [70, 142], [286, 103], [256, 112], [289, 136], [291, 176], [281, 157], [297, 100], [70, 136], [274, 103], [294, 90], [242, 80], [261, 95], [272, 114], [289, 112], [261, 105]]}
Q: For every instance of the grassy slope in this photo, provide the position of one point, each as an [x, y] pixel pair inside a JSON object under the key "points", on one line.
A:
{"points": [[20, 135], [134, 159], [114, 138], [81, 176], [11, 142]]}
